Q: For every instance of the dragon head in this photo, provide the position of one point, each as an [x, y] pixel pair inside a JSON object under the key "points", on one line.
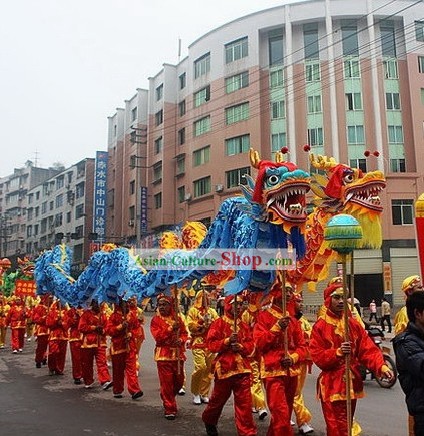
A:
{"points": [[349, 190], [26, 266], [281, 189]]}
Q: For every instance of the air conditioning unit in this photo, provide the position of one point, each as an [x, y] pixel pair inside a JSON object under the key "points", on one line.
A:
{"points": [[187, 197], [219, 188], [131, 223]]}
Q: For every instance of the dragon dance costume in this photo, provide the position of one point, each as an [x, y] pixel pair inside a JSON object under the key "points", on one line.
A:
{"points": [[232, 371], [326, 339]]}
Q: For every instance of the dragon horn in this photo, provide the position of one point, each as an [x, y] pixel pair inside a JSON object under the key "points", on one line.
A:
{"points": [[254, 158], [279, 157], [322, 162]]}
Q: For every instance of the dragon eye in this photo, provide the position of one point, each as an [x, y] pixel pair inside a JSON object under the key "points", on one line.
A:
{"points": [[273, 179], [348, 178]]}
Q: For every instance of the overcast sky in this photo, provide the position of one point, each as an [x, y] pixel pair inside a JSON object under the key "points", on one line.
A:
{"points": [[66, 65]]}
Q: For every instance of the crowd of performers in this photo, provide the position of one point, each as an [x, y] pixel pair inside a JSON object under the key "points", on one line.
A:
{"points": [[255, 350]]}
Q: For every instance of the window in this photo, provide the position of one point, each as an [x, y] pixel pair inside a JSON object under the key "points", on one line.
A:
{"points": [[180, 165], [68, 217], [236, 82], [79, 211], [131, 214], [421, 64], [235, 178], [51, 205], [181, 136], [314, 104], [80, 190], [60, 182], [310, 41], [159, 92], [397, 165], [422, 95], [159, 117], [351, 69], [278, 109], [276, 50], [134, 114], [236, 50], [202, 65], [236, 113], [353, 101], [402, 212], [201, 156], [157, 172], [59, 200], [202, 126], [181, 108], [182, 80], [350, 40], [315, 136], [58, 219], [392, 101], [202, 186], [312, 72], [276, 78], [44, 207], [395, 134], [278, 140], [202, 96], [237, 145], [390, 69], [157, 200], [132, 187], [181, 194], [388, 44], [359, 163], [158, 145], [355, 135], [419, 30]]}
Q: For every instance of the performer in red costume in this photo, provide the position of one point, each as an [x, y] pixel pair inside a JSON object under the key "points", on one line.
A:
{"points": [[170, 333], [41, 331], [58, 338], [16, 320], [72, 318], [328, 349], [232, 340], [123, 350], [281, 344], [92, 326]]}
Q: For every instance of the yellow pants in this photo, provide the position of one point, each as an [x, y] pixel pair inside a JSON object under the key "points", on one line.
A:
{"points": [[258, 397], [303, 415], [3, 331], [201, 377]]}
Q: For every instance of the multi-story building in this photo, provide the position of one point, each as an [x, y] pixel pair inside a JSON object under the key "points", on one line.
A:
{"points": [[61, 210], [13, 207], [343, 77]]}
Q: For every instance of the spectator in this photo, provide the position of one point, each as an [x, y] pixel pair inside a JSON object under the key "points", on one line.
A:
{"points": [[385, 315], [409, 350], [373, 311]]}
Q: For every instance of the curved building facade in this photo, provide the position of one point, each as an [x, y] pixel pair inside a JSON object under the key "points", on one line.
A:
{"points": [[341, 76]]}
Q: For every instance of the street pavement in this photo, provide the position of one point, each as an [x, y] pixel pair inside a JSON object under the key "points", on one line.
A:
{"points": [[32, 403]]}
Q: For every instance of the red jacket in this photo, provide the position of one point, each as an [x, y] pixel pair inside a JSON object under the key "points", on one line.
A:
{"points": [[326, 338], [39, 315], [16, 317], [269, 340], [228, 362], [92, 326], [55, 321], [165, 337], [120, 335], [72, 318]]}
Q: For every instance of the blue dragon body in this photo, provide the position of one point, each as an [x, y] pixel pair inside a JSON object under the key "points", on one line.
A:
{"points": [[270, 215]]}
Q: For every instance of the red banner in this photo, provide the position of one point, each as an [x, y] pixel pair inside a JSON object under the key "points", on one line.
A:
{"points": [[25, 288], [419, 227]]}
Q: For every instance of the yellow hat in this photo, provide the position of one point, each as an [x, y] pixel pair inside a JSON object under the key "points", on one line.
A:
{"points": [[410, 282]]}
